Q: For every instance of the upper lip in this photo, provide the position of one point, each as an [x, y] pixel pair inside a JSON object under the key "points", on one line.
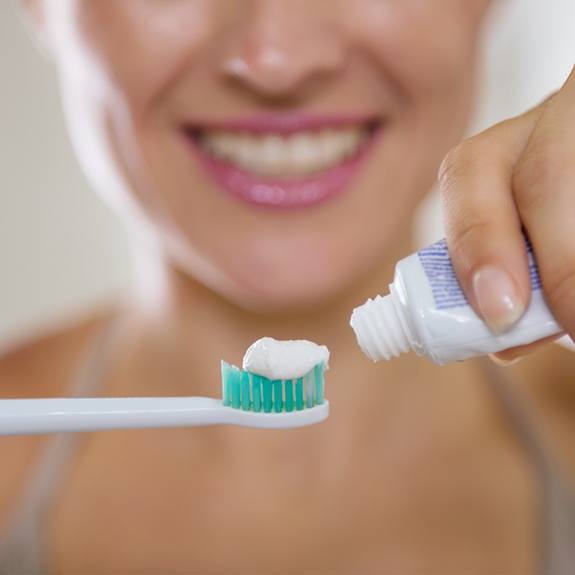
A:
{"points": [[283, 124]]}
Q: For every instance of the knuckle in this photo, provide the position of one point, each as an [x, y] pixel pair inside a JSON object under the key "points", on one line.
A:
{"points": [[458, 162], [463, 167]]}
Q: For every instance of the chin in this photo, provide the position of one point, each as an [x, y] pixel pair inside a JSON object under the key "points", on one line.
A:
{"points": [[290, 282], [277, 300], [280, 303], [282, 288]]}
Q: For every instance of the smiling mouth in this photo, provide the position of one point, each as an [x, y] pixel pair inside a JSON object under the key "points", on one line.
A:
{"points": [[283, 161]]}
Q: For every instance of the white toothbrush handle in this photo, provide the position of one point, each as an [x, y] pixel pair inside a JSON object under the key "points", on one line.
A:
{"points": [[35, 416]]}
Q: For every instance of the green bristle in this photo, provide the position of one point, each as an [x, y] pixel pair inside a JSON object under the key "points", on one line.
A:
{"points": [[234, 379], [253, 392], [278, 396], [319, 383], [299, 394], [289, 395], [246, 391], [309, 386], [267, 387], [226, 395], [256, 392]]}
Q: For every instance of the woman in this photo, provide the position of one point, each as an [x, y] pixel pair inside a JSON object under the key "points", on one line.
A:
{"points": [[276, 150]]}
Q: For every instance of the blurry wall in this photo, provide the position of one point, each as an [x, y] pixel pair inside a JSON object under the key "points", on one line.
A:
{"points": [[61, 250]]}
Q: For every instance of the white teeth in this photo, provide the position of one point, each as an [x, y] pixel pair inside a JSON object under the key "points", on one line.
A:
{"points": [[244, 153], [304, 153], [220, 146], [273, 155]]}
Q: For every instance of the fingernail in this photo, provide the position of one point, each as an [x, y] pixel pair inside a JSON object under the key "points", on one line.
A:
{"points": [[505, 362], [497, 298]]}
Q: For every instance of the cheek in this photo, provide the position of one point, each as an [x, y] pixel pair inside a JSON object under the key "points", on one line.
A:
{"points": [[114, 77], [118, 43], [426, 50]]}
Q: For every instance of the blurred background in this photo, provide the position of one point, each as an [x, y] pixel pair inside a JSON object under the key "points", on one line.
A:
{"points": [[62, 250]]}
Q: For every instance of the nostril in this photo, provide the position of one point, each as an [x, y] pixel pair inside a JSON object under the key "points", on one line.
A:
{"points": [[270, 72], [285, 62]]}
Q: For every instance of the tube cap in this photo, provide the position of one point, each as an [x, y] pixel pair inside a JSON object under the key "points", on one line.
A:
{"points": [[379, 330]]}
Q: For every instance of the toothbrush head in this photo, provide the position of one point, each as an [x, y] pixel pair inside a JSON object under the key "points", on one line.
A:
{"points": [[252, 392]]}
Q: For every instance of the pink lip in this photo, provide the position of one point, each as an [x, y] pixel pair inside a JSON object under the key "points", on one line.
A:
{"points": [[277, 193]]}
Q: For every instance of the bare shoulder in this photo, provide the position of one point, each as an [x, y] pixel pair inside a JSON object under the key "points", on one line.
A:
{"points": [[549, 377], [42, 367]]}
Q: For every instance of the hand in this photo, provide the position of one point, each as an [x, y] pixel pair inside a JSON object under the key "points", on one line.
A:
{"points": [[517, 174]]}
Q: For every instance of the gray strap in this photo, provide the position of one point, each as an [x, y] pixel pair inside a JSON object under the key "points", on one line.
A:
{"points": [[22, 542], [556, 499]]}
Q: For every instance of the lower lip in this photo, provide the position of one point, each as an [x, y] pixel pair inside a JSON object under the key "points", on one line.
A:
{"points": [[283, 194]]}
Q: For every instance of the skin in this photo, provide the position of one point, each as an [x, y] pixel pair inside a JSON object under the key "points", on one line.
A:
{"points": [[524, 177], [417, 468]]}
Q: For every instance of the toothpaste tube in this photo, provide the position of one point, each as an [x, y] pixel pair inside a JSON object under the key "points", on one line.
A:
{"points": [[426, 311]]}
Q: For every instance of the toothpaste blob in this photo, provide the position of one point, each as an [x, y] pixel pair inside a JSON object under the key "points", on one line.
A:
{"points": [[289, 359]]}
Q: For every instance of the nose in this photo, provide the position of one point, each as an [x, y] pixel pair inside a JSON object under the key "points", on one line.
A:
{"points": [[284, 46]]}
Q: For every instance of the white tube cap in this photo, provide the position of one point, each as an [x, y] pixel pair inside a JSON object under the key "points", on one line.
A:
{"points": [[379, 330]]}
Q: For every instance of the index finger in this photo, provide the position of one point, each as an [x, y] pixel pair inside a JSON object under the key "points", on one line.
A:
{"points": [[483, 229]]}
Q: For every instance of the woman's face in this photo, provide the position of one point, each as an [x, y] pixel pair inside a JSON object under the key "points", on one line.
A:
{"points": [[278, 146]]}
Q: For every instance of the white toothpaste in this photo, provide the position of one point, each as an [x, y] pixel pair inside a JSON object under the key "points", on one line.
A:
{"points": [[289, 359], [427, 312]]}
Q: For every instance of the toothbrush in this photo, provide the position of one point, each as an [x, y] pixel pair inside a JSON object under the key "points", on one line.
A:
{"points": [[249, 400]]}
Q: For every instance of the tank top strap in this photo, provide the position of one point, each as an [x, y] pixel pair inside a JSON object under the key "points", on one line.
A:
{"points": [[556, 521], [22, 541]]}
